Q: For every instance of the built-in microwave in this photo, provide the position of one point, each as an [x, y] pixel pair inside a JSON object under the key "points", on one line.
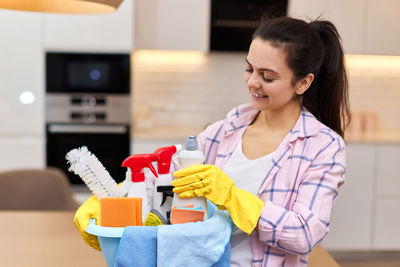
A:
{"points": [[87, 73]]}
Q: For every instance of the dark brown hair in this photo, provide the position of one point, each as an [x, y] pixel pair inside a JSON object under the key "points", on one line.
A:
{"points": [[315, 48]]}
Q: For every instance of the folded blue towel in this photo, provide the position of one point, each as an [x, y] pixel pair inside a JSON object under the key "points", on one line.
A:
{"points": [[195, 244], [138, 247]]}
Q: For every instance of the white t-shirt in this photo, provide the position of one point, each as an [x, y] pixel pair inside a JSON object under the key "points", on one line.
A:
{"points": [[247, 175]]}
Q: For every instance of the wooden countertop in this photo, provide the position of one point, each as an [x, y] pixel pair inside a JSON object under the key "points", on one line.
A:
{"points": [[174, 134], [165, 133], [380, 136], [49, 238]]}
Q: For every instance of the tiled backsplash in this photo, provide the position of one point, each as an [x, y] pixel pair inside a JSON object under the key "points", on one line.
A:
{"points": [[178, 90], [375, 86], [185, 89]]}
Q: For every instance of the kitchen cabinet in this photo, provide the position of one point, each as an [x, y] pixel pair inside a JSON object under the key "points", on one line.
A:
{"points": [[366, 215], [22, 152], [382, 31], [111, 32], [172, 24], [366, 26], [386, 231], [348, 17], [351, 219], [388, 175], [22, 69], [386, 220]]}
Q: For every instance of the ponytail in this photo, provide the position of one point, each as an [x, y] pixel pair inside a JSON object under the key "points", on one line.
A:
{"points": [[315, 48]]}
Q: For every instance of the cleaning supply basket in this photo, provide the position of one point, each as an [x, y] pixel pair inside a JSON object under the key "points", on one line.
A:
{"points": [[206, 241]]}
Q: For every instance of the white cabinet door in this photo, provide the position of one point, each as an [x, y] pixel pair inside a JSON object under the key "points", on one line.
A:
{"points": [[172, 24], [21, 68], [348, 17], [386, 221], [382, 27], [388, 176], [351, 219], [21, 152], [111, 32]]}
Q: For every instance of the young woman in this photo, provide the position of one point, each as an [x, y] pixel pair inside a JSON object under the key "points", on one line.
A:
{"points": [[276, 164]]}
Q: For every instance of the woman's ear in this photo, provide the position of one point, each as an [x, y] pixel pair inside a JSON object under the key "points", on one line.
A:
{"points": [[303, 84]]}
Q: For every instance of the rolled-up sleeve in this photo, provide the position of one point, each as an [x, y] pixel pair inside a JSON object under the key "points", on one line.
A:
{"points": [[298, 229]]}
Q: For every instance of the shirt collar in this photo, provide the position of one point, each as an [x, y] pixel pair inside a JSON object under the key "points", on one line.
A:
{"points": [[306, 126]]}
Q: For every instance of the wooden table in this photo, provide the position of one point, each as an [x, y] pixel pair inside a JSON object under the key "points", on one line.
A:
{"points": [[39, 238], [36, 238]]}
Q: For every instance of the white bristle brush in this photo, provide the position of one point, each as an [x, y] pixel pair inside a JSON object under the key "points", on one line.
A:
{"points": [[92, 172]]}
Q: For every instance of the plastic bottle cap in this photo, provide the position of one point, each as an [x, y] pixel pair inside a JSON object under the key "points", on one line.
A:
{"points": [[191, 143]]}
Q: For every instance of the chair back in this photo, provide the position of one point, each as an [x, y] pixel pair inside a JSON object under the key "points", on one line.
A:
{"points": [[35, 189]]}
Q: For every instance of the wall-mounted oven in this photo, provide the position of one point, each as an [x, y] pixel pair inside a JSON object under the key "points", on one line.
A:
{"points": [[88, 104]]}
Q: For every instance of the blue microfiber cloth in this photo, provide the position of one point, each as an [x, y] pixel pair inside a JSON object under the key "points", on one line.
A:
{"points": [[198, 244], [138, 247], [225, 260]]}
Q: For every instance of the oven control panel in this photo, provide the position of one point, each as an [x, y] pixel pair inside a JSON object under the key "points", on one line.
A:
{"points": [[88, 108]]}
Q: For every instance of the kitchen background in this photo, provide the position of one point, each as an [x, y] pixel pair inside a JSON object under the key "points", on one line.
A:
{"points": [[178, 86]]}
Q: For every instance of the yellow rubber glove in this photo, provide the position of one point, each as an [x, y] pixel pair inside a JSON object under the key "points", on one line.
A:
{"points": [[90, 209], [212, 183]]}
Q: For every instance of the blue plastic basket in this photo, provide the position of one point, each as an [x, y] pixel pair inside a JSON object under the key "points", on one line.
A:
{"points": [[109, 238]]}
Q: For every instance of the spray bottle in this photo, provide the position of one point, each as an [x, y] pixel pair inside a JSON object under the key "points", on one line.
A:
{"points": [[162, 199], [188, 157], [136, 163]]}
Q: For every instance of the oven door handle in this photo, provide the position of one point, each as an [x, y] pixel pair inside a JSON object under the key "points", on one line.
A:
{"points": [[59, 128]]}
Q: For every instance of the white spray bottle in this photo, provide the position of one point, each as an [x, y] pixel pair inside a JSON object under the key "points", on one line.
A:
{"points": [[188, 157], [162, 198]]}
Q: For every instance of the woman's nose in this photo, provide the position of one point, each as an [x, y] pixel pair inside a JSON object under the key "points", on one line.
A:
{"points": [[253, 81]]}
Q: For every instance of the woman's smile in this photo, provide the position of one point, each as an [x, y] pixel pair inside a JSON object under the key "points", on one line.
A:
{"points": [[258, 95]]}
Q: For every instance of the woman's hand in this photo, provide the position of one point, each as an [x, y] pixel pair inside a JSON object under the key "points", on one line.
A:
{"points": [[205, 181], [212, 183], [90, 209]]}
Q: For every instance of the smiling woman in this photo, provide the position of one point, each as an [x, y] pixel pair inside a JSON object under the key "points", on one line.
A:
{"points": [[280, 160]]}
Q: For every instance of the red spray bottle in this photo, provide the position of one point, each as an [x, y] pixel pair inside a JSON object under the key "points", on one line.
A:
{"points": [[136, 163]]}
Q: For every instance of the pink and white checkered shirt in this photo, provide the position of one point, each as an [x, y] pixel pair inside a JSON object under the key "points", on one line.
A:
{"points": [[299, 190]]}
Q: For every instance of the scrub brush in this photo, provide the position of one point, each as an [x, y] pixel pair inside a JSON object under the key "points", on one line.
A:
{"points": [[92, 172], [154, 218]]}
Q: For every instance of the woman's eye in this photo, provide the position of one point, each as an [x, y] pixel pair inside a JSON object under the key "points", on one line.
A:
{"points": [[268, 79], [249, 70]]}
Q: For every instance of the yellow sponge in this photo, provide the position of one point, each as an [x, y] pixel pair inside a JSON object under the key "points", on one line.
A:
{"points": [[154, 218]]}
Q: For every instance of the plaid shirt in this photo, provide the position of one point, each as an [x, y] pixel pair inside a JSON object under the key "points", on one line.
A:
{"points": [[299, 190]]}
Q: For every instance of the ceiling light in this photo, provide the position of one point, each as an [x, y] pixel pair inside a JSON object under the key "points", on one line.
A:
{"points": [[62, 6]]}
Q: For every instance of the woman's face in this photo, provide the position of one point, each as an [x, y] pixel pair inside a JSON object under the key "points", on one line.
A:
{"points": [[268, 77]]}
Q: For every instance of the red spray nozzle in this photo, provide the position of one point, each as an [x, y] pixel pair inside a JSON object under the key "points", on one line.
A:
{"points": [[137, 162], [164, 155]]}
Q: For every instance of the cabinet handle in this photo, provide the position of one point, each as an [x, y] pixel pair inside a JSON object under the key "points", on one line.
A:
{"points": [[87, 128]]}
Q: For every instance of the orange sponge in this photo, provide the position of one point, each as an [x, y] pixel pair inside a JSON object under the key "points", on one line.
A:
{"points": [[120, 212], [186, 215]]}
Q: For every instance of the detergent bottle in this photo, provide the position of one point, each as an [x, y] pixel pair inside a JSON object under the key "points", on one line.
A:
{"points": [[188, 157], [162, 198], [137, 189]]}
